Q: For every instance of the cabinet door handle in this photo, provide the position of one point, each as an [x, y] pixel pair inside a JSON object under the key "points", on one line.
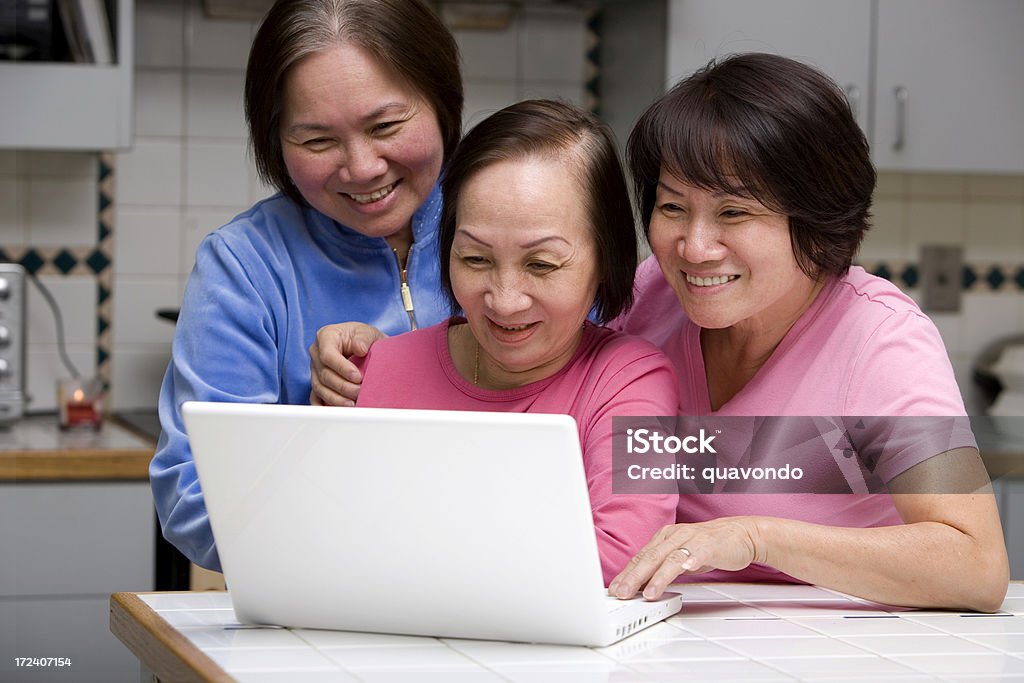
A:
{"points": [[900, 93], [853, 99]]}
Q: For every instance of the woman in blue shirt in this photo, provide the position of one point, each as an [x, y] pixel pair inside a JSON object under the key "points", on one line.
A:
{"points": [[353, 108]]}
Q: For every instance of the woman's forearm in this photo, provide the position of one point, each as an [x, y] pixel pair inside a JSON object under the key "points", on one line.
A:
{"points": [[919, 564]]}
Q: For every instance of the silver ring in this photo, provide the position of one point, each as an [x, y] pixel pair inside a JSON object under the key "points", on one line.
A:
{"points": [[685, 551]]}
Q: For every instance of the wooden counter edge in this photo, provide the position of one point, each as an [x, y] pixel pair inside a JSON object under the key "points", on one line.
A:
{"points": [[158, 645], [76, 465]]}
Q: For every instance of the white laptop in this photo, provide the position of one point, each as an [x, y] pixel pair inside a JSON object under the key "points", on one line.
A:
{"points": [[439, 523]]}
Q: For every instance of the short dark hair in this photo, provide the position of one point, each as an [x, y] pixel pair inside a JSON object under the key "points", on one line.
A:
{"points": [[556, 130], [404, 35], [771, 128]]}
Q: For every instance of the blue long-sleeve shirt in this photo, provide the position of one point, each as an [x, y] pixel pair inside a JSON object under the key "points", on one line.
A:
{"points": [[262, 286]]}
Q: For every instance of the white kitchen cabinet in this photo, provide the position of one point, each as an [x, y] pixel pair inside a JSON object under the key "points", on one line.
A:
{"points": [[66, 105], [962, 67], [833, 35], [64, 548], [957, 65]]}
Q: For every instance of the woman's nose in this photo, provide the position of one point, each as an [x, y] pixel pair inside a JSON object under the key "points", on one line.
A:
{"points": [[701, 242], [361, 163], [506, 296]]}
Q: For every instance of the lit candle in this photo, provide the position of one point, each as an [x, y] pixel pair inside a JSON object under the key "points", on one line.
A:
{"points": [[80, 403]]}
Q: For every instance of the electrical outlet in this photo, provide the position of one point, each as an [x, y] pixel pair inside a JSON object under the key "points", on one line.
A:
{"points": [[941, 277]]}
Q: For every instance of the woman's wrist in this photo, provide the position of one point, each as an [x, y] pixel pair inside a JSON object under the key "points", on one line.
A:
{"points": [[759, 533]]}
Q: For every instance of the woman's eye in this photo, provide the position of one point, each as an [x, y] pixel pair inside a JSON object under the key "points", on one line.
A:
{"points": [[385, 126], [540, 266], [474, 260], [317, 143], [670, 208], [734, 213]]}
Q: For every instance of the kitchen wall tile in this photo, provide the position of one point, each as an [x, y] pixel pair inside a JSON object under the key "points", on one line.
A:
{"points": [[217, 174], [135, 375], [483, 98], [935, 221], [150, 174], [887, 237], [214, 105], [950, 327], [257, 189], [570, 91], [59, 164], [146, 241], [551, 44], [946, 186], [159, 33], [215, 43], [8, 162], [135, 304], [987, 317], [891, 184], [995, 230], [963, 369], [44, 368], [198, 224], [159, 103], [13, 211], [489, 54], [62, 211], [995, 187], [75, 296]]}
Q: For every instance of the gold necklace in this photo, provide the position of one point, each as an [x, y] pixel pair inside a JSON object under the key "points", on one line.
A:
{"points": [[476, 364]]}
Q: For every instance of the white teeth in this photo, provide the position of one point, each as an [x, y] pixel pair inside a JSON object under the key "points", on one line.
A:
{"points": [[374, 196], [710, 281], [514, 329]]}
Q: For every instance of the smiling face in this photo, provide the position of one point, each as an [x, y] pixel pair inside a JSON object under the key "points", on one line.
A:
{"points": [[524, 267], [728, 258], [360, 145]]}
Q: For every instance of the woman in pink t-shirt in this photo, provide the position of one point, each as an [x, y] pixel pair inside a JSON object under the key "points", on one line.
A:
{"points": [[754, 183]]}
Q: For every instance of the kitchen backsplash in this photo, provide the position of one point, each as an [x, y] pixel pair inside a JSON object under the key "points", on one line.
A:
{"points": [[112, 266]]}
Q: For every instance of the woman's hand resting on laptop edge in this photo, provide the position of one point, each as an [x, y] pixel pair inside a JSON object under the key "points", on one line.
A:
{"points": [[334, 378], [728, 543]]}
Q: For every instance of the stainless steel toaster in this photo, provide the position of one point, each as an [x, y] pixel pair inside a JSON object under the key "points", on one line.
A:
{"points": [[12, 341]]}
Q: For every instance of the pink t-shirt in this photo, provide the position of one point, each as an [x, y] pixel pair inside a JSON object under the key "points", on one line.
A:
{"points": [[610, 374], [863, 348]]}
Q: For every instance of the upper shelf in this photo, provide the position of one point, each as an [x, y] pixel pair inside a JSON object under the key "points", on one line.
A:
{"points": [[68, 105]]}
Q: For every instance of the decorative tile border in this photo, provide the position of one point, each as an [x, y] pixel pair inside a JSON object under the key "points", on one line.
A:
{"points": [[592, 62], [95, 261], [977, 277], [104, 276]]}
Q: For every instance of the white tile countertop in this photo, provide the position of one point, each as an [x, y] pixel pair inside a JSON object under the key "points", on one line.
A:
{"points": [[756, 632]]}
